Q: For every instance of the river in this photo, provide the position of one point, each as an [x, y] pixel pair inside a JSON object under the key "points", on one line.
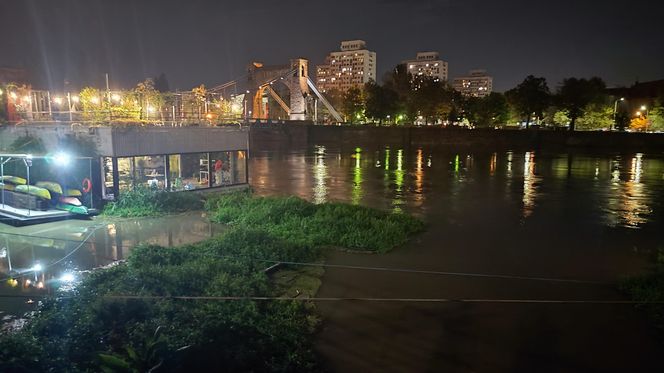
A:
{"points": [[512, 228], [515, 272]]}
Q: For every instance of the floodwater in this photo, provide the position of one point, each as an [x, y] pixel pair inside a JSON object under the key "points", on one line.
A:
{"points": [[43, 257], [513, 228]]}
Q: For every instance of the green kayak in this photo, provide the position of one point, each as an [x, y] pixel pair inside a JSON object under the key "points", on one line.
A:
{"points": [[79, 210], [34, 190], [51, 186], [13, 180]]}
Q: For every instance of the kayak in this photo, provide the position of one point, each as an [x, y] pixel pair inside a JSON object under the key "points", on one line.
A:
{"points": [[70, 201], [51, 186], [79, 210], [13, 180], [73, 193], [34, 190]]}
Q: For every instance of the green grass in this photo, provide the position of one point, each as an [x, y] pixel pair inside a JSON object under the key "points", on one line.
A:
{"points": [[325, 225], [143, 202]]}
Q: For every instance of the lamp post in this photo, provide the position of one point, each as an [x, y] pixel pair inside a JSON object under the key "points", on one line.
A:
{"points": [[644, 109], [615, 109]]}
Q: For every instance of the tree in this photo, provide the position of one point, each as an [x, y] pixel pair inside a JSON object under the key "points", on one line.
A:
{"points": [[530, 97], [430, 99], [656, 116], [576, 95], [149, 100], [487, 111], [379, 101], [353, 104], [596, 117], [639, 124]]}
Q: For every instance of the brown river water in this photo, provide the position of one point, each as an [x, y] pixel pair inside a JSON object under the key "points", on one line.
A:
{"points": [[513, 228]]}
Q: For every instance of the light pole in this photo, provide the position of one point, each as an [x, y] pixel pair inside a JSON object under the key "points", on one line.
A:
{"points": [[615, 108], [644, 109]]}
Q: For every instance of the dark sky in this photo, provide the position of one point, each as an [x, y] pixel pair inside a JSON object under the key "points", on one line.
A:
{"points": [[211, 42]]}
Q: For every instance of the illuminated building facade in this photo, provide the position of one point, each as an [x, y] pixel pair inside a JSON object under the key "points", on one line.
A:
{"points": [[428, 64], [476, 84], [353, 66]]}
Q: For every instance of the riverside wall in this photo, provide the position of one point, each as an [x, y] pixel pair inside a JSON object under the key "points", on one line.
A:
{"points": [[285, 137]]}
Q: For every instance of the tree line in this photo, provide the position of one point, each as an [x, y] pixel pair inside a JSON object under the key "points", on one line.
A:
{"points": [[576, 103]]}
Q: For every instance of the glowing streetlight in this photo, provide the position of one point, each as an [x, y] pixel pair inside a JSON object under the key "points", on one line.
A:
{"points": [[61, 158], [150, 109], [115, 97], [638, 113], [644, 107], [75, 98], [37, 267], [57, 100]]}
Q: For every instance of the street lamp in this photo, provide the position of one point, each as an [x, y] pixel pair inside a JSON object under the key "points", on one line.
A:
{"points": [[615, 108]]}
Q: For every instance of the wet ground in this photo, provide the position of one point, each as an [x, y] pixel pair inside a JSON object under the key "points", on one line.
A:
{"points": [[521, 231]]}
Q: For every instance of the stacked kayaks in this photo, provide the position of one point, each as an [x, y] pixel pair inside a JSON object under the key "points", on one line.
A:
{"points": [[41, 196], [65, 199], [17, 193]]}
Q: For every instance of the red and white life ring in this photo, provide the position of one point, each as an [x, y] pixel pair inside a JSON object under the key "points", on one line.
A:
{"points": [[87, 185]]}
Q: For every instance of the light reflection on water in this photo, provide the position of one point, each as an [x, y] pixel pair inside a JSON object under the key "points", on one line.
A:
{"points": [[41, 258], [611, 190]]}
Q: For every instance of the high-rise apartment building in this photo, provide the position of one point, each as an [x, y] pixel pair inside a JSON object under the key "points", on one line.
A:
{"points": [[476, 84], [427, 64], [353, 66]]}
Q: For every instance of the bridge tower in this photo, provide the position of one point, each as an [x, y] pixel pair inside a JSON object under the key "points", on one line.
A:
{"points": [[299, 90]]}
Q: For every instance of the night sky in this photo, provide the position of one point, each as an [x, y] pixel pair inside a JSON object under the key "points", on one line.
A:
{"points": [[211, 42]]}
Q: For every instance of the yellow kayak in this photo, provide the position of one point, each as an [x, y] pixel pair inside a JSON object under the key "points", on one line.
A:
{"points": [[51, 186], [73, 193], [34, 190], [14, 180], [7, 186]]}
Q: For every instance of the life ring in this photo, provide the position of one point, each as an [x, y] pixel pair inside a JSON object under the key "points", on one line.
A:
{"points": [[87, 185]]}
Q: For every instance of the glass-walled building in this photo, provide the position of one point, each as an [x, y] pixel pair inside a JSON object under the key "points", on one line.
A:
{"points": [[174, 159]]}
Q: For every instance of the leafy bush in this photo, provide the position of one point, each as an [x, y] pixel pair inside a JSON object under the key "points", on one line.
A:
{"points": [[328, 224], [143, 201], [90, 330]]}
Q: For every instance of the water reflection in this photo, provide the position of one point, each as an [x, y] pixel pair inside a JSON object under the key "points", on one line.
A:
{"points": [[399, 173], [614, 190], [357, 178], [320, 176], [37, 259], [529, 184]]}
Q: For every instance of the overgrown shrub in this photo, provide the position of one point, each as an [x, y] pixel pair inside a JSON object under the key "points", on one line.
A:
{"points": [[207, 335], [144, 201], [327, 224]]}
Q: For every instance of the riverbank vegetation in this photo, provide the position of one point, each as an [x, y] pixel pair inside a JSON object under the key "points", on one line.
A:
{"points": [[647, 289], [145, 202], [324, 225], [204, 306]]}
